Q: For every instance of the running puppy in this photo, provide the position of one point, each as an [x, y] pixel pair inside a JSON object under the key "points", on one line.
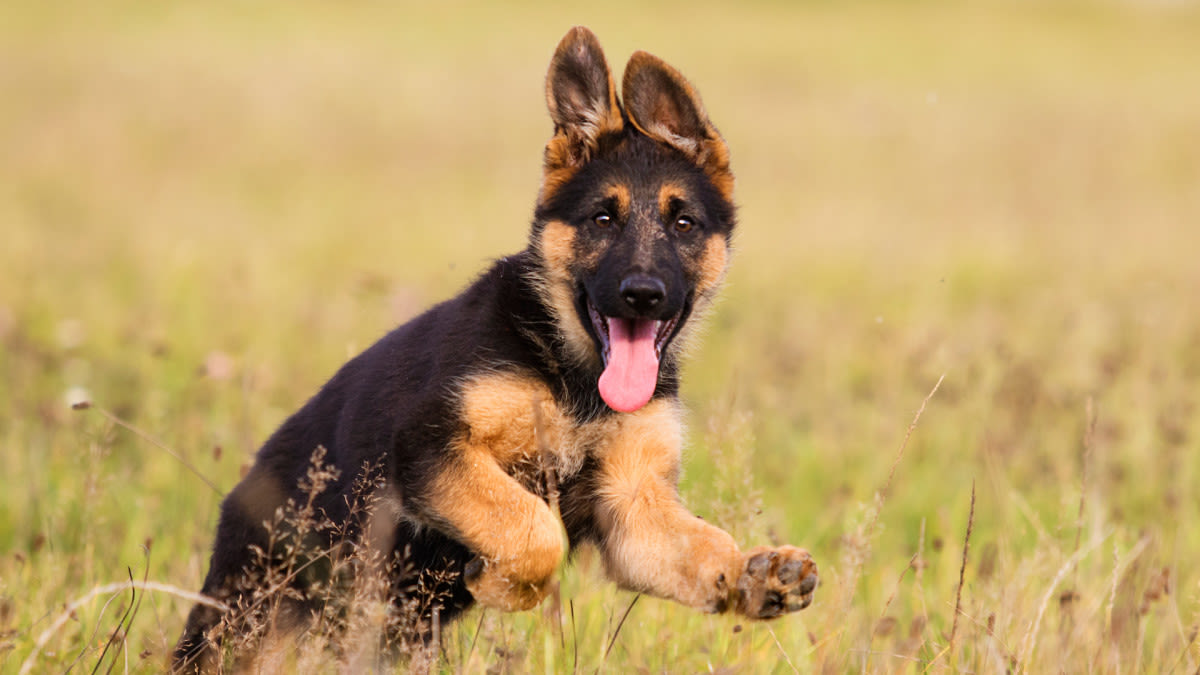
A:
{"points": [[553, 379]]}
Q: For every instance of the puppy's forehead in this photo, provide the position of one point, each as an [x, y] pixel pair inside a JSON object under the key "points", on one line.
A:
{"points": [[653, 182]]}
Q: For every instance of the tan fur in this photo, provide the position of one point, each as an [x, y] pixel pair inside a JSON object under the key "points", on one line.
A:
{"points": [[712, 266], [514, 416], [652, 543], [519, 538], [556, 174], [716, 165], [557, 288], [515, 532], [510, 419]]}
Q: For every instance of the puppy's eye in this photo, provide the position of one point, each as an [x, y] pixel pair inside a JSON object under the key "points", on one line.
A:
{"points": [[684, 224], [602, 219]]}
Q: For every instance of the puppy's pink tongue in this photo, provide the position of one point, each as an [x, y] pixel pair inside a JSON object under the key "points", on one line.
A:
{"points": [[631, 373]]}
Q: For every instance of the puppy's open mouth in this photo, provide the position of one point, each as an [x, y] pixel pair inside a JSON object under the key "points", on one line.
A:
{"points": [[631, 350]]}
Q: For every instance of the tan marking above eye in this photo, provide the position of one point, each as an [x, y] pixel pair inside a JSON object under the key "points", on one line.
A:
{"points": [[622, 196], [668, 193]]}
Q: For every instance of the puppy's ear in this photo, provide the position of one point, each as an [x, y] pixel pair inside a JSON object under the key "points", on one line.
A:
{"points": [[663, 105], [582, 99]]}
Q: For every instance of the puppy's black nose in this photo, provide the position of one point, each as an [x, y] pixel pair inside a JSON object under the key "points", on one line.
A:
{"points": [[642, 292]]}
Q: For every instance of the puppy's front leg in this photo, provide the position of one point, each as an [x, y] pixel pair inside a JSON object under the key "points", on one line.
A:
{"points": [[518, 539], [654, 545]]}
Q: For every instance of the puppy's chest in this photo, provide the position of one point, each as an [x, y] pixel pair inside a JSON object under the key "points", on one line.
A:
{"points": [[516, 420]]}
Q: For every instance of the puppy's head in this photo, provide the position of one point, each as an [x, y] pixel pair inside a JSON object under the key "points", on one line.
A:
{"points": [[634, 215]]}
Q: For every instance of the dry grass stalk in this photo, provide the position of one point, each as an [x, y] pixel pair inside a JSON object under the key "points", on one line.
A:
{"points": [[88, 405], [962, 571], [908, 434], [859, 549], [1029, 644], [620, 623], [323, 591], [118, 587], [787, 659], [1088, 434], [912, 562]]}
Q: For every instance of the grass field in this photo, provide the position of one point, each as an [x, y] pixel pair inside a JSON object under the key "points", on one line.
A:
{"points": [[206, 208]]}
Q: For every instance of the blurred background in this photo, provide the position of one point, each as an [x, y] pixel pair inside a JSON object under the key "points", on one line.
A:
{"points": [[206, 208]]}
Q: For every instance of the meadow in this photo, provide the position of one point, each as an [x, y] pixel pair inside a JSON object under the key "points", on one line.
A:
{"points": [[985, 211]]}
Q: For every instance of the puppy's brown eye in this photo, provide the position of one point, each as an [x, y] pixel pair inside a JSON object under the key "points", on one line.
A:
{"points": [[602, 219], [684, 224]]}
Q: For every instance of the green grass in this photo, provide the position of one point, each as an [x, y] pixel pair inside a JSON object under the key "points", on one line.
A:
{"points": [[205, 210]]}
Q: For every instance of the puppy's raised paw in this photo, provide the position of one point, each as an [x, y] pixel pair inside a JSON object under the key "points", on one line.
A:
{"points": [[776, 581]]}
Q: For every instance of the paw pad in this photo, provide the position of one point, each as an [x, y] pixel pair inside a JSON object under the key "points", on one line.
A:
{"points": [[775, 582]]}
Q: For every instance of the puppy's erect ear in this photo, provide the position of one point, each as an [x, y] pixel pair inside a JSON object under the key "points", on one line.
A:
{"points": [[582, 100], [662, 104]]}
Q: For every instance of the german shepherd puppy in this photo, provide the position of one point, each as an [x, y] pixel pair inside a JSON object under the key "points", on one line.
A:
{"points": [[552, 381]]}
